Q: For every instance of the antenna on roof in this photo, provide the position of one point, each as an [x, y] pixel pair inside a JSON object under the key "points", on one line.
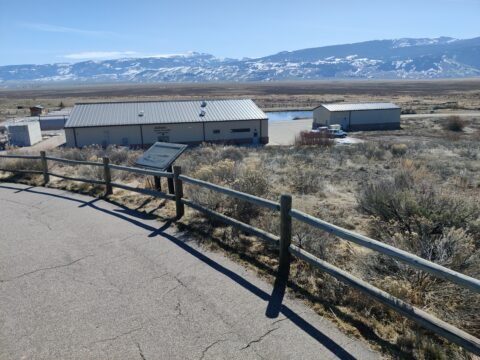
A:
{"points": [[202, 113]]}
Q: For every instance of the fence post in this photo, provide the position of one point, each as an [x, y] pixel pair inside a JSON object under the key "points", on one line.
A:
{"points": [[46, 176], [171, 189], [107, 176], [177, 170], [285, 237]]}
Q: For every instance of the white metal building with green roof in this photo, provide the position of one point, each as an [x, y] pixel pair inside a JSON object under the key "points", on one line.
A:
{"points": [[142, 123]]}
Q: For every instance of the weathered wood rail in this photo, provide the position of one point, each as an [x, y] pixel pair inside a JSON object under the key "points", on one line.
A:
{"points": [[287, 250]]}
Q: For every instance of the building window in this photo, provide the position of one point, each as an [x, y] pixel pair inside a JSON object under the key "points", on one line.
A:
{"points": [[216, 131], [242, 130]]}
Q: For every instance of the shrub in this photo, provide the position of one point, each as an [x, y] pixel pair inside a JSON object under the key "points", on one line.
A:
{"points": [[398, 149], [313, 138], [455, 123], [305, 179], [252, 182], [372, 150], [413, 215]]}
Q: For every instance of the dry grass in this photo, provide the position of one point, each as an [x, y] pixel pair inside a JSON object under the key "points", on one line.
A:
{"points": [[422, 197]]}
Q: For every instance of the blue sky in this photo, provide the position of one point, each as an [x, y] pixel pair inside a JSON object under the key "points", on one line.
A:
{"points": [[47, 31]]}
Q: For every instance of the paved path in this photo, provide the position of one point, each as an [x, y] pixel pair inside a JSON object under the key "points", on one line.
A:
{"points": [[284, 132], [84, 279]]}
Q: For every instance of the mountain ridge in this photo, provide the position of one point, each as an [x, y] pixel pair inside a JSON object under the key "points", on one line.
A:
{"points": [[404, 58]]}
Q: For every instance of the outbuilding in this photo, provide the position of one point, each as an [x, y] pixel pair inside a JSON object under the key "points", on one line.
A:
{"points": [[358, 116], [36, 110], [142, 123], [25, 133]]}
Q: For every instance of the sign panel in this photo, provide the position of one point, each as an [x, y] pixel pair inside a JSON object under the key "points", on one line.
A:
{"points": [[161, 155]]}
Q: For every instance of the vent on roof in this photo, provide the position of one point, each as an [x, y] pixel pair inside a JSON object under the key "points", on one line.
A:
{"points": [[204, 104], [202, 113], [141, 112]]}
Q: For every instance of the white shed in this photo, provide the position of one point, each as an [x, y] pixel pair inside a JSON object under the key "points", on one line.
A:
{"points": [[25, 133], [146, 122], [359, 116]]}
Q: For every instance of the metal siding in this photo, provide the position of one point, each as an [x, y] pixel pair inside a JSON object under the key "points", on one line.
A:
{"points": [[162, 112], [69, 137], [180, 133], [111, 135], [25, 133], [264, 128], [321, 116], [375, 117], [226, 133]]}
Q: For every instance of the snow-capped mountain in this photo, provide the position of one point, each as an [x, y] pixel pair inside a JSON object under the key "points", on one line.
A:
{"points": [[407, 58]]}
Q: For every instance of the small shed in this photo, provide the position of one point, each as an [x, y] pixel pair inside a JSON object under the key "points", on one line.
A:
{"points": [[358, 116], [25, 133], [36, 110]]}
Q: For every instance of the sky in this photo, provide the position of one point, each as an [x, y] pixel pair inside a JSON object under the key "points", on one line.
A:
{"points": [[58, 31]]}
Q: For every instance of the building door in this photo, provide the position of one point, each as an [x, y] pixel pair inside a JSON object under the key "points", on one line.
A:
{"points": [[163, 138]]}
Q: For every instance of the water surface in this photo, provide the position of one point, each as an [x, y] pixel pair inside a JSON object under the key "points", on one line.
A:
{"points": [[288, 115]]}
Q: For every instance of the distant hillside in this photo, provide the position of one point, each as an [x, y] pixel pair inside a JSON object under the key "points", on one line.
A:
{"points": [[424, 58]]}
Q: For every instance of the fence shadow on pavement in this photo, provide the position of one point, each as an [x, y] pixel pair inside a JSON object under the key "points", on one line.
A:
{"points": [[274, 301]]}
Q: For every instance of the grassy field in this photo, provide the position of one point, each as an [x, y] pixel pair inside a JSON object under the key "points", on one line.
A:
{"points": [[419, 96], [417, 189]]}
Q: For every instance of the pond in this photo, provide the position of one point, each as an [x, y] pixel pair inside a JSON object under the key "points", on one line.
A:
{"points": [[288, 115]]}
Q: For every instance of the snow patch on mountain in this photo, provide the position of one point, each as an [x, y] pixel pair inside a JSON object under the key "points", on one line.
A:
{"points": [[406, 58]]}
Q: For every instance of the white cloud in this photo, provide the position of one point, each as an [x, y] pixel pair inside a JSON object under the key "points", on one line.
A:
{"points": [[102, 55], [190, 53], [64, 29], [93, 55]]}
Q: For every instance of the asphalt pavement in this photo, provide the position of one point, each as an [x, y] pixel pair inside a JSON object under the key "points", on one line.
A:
{"points": [[81, 278]]}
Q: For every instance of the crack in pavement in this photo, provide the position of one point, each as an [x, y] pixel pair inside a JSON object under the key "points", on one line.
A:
{"points": [[277, 321], [160, 276], [44, 269], [117, 337], [141, 352], [178, 308], [180, 283], [259, 338], [169, 291], [204, 352]]}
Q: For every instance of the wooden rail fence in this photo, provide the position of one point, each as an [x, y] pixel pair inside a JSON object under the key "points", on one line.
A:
{"points": [[287, 250]]}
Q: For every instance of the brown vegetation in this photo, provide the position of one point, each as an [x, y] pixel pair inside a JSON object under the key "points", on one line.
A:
{"points": [[455, 123], [419, 193]]}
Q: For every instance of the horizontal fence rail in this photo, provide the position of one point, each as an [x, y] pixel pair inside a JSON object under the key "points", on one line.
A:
{"points": [[272, 205], [286, 249], [141, 171], [22, 171], [74, 162], [264, 235], [71, 178], [428, 321], [27, 157], [404, 256], [153, 193]]}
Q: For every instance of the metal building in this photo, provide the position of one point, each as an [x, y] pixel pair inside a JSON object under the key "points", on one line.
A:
{"points": [[360, 116], [25, 133], [144, 123]]}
